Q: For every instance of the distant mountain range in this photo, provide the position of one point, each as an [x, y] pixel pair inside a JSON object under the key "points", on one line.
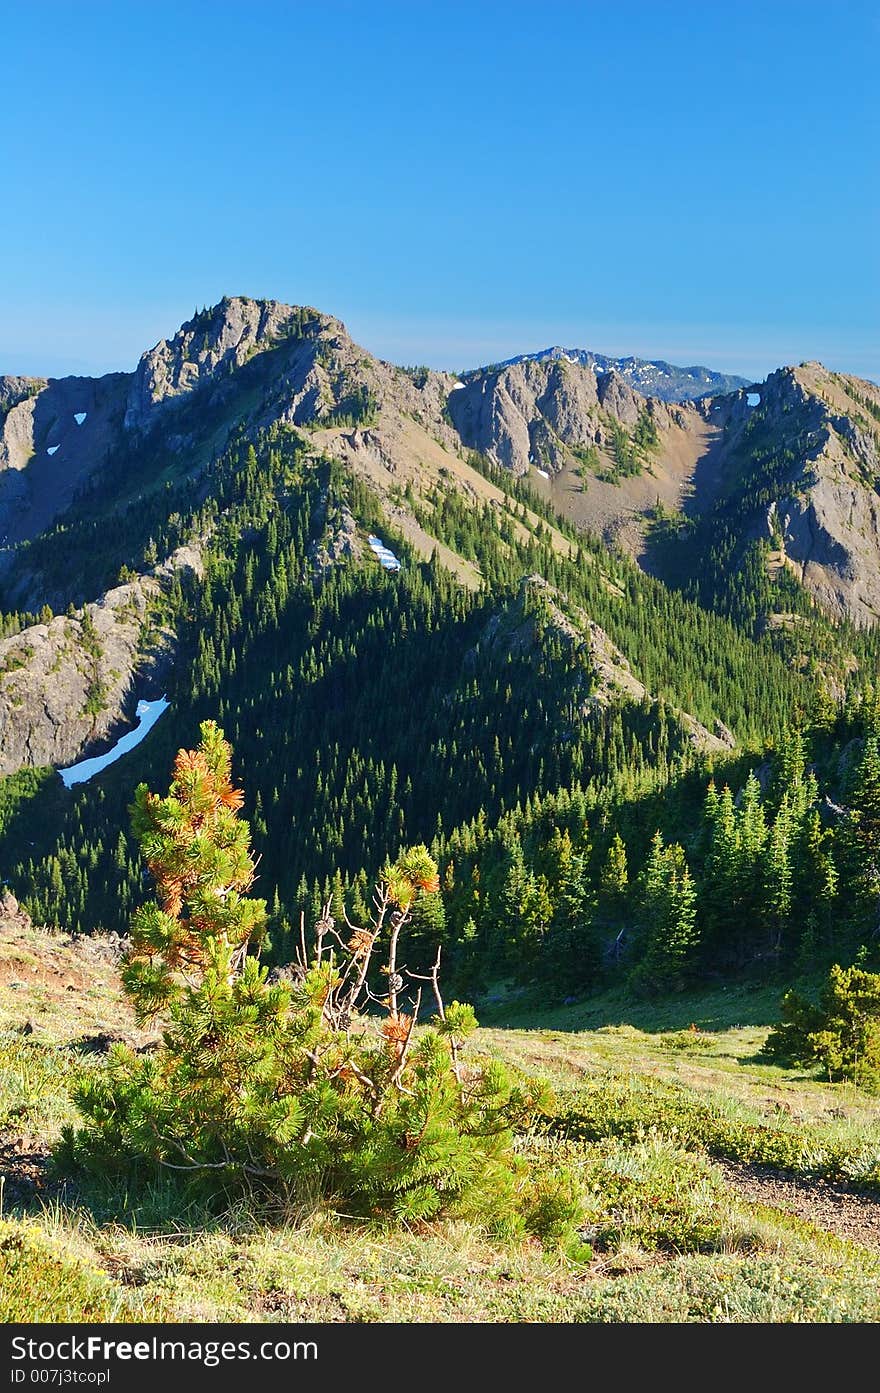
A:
{"points": [[651, 377]]}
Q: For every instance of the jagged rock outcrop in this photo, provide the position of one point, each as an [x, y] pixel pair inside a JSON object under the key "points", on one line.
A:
{"points": [[618, 398], [339, 542], [16, 452], [209, 348], [523, 415], [17, 389], [724, 734], [67, 686], [827, 510], [308, 369], [17, 402], [251, 363], [538, 607], [536, 413], [13, 919]]}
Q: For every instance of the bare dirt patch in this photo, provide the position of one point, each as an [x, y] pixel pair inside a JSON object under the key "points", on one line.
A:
{"points": [[837, 1208], [24, 1166], [63, 989]]}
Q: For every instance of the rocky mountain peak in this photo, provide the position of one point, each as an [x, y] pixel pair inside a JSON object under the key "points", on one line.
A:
{"points": [[535, 413], [813, 437], [524, 414], [213, 345]]}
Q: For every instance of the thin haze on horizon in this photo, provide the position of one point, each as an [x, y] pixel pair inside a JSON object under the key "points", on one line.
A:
{"points": [[458, 183]]}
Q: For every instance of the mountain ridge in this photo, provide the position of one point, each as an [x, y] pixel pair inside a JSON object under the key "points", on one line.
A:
{"points": [[78, 453], [608, 453]]}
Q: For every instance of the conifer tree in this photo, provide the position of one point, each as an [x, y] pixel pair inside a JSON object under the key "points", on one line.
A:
{"points": [[571, 957], [614, 882], [668, 912], [720, 891], [322, 1085], [862, 832], [779, 878]]}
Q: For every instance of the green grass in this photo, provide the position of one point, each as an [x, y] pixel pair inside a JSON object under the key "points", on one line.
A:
{"points": [[35, 1086], [629, 1108], [644, 1106], [718, 1009], [691, 1066], [44, 1278], [667, 1241]]}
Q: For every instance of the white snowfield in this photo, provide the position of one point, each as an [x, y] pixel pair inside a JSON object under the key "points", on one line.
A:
{"points": [[384, 556], [148, 713]]}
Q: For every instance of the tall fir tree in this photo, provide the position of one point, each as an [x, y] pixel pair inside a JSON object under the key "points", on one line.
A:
{"points": [[668, 909]]}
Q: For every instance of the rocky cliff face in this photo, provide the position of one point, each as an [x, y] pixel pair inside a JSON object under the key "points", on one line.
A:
{"points": [[53, 436], [301, 367], [536, 413], [525, 414], [208, 350], [68, 686], [823, 428], [14, 390]]}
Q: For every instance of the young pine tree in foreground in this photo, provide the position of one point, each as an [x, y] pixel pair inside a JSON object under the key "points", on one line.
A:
{"points": [[318, 1086]]}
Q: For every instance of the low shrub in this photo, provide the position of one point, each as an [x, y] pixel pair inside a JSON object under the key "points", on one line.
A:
{"points": [[841, 1033]]}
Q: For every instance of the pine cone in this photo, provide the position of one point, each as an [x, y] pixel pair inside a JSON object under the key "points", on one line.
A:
{"points": [[395, 982]]}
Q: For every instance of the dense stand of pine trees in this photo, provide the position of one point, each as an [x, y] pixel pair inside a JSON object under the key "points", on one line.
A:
{"points": [[368, 710]]}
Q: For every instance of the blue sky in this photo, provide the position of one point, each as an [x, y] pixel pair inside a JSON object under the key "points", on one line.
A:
{"points": [[458, 182]]}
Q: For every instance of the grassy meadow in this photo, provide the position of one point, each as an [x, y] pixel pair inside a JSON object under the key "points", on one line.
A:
{"points": [[719, 1188]]}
